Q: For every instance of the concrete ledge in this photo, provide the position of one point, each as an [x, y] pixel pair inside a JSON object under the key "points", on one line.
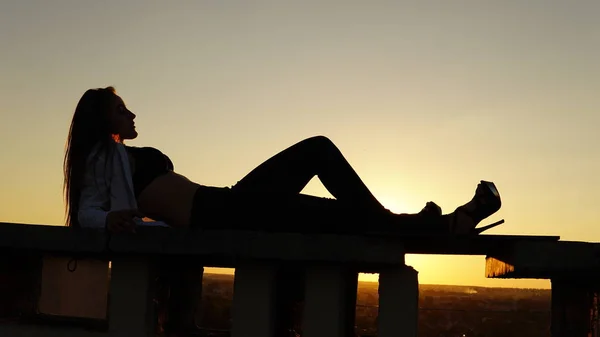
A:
{"points": [[473, 245], [255, 244], [545, 260], [229, 247], [217, 248], [27, 330], [51, 238]]}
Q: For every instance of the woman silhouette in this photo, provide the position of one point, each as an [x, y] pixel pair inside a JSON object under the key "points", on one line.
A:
{"points": [[110, 185]]}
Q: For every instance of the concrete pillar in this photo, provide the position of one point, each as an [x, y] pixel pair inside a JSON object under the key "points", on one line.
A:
{"points": [[330, 302], [185, 291], [131, 307], [398, 302], [253, 310], [289, 297], [19, 284], [572, 307], [74, 287], [595, 312]]}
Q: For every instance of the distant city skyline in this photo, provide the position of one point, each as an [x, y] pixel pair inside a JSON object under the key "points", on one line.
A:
{"points": [[424, 98]]}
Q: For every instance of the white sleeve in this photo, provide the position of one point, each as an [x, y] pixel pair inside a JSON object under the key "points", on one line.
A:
{"points": [[94, 202], [95, 199]]}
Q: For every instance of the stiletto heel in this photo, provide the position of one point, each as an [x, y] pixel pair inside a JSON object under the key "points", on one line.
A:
{"points": [[485, 203]]}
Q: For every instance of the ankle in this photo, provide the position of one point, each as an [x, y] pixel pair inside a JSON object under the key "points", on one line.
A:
{"points": [[469, 207], [461, 221]]}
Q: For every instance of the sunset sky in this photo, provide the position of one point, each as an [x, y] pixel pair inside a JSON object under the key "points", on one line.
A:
{"points": [[424, 98]]}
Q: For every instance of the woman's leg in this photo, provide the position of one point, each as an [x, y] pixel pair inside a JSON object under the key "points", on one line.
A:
{"points": [[288, 172], [284, 175]]}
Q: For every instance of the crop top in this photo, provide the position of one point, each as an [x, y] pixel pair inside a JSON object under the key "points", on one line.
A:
{"points": [[149, 164]]}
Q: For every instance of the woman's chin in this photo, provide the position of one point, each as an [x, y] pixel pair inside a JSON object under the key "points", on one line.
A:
{"points": [[132, 135]]}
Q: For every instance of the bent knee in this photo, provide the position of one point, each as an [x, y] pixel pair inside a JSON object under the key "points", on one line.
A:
{"points": [[319, 141]]}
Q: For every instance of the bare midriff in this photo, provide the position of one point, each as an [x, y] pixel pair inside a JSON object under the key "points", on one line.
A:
{"points": [[168, 198]]}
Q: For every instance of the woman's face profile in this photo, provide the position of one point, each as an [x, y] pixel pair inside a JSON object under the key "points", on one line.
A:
{"points": [[121, 119]]}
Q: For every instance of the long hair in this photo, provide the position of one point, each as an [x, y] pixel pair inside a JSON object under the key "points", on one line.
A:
{"points": [[89, 128]]}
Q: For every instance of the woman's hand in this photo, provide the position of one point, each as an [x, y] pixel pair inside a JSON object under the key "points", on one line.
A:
{"points": [[122, 220]]}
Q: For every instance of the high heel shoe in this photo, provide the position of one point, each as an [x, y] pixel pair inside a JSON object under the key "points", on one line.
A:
{"points": [[485, 203]]}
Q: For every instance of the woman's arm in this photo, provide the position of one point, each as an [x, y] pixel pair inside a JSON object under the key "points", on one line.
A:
{"points": [[104, 193]]}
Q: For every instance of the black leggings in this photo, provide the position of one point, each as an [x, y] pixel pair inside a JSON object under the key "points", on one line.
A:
{"points": [[274, 186]]}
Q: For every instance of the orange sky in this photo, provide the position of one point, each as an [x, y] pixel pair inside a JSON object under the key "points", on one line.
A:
{"points": [[424, 98]]}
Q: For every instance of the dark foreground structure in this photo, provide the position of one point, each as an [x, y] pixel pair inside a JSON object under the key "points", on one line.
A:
{"points": [[56, 281]]}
